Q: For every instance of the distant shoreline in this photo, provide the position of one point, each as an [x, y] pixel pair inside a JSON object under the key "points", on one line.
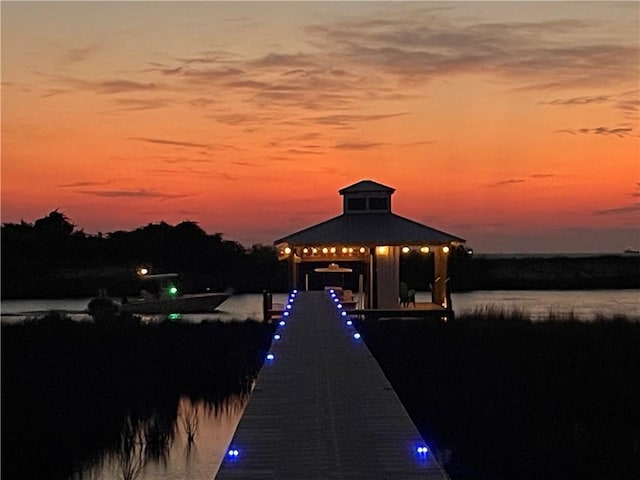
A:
{"points": [[475, 272], [552, 255]]}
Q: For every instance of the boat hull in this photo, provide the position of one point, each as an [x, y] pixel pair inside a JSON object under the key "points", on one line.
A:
{"points": [[194, 303]]}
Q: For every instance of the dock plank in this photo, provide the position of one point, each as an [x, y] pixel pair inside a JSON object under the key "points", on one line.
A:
{"points": [[323, 409]]}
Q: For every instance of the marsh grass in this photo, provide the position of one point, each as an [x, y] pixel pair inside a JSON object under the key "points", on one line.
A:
{"points": [[502, 397], [75, 393]]}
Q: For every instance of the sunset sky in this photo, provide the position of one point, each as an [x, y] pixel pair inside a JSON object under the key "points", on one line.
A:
{"points": [[514, 125]]}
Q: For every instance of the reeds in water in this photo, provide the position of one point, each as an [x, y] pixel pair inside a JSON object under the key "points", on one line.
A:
{"points": [[70, 389], [504, 397]]}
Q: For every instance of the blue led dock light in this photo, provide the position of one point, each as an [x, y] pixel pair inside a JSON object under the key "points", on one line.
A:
{"points": [[349, 322], [270, 357], [277, 336], [282, 323], [344, 314], [233, 453], [285, 314], [357, 336], [289, 306], [422, 450]]}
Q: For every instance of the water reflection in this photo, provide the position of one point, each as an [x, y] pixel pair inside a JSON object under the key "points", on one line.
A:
{"points": [[188, 442], [83, 401]]}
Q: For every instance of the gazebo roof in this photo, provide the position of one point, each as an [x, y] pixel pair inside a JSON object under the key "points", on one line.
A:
{"points": [[365, 186], [370, 229], [367, 219]]}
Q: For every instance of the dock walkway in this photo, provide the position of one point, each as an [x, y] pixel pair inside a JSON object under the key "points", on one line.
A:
{"points": [[323, 409]]}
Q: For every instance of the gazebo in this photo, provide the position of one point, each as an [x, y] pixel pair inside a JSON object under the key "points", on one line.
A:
{"points": [[369, 232]]}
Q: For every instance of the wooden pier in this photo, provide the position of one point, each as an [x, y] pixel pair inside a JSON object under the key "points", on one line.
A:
{"points": [[323, 409]]}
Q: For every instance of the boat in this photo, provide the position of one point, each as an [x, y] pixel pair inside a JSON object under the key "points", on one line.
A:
{"points": [[168, 300], [632, 250]]}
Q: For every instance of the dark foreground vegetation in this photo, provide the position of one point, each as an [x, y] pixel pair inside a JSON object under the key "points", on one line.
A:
{"points": [[73, 392], [500, 397], [53, 258]]}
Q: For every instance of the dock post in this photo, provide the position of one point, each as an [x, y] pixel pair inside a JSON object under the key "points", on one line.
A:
{"points": [[267, 305]]}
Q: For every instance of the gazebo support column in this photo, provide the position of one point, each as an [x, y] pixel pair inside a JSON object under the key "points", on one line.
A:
{"points": [[293, 271], [387, 276], [440, 283]]}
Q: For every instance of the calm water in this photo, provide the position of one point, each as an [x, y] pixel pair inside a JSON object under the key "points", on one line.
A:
{"points": [[584, 304]]}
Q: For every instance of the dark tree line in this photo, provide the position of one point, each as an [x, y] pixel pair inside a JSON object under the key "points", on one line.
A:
{"points": [[52, 257]]}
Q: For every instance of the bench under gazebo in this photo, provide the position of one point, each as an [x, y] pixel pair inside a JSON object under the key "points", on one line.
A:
{"points": [[370, 233]]}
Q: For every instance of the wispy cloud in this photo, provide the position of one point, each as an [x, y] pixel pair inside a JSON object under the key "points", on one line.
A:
{"points": [[134, 104], [633, 208], [83, 184], [80, 54], [515, 181], [510, 181], [427, 44], [543, 175], [357, 145], [627, 102], [345, 119], [585, 100], [605, 131], [170, 142], [113, 86], [179, 143], [140, 193], [287, 61]]}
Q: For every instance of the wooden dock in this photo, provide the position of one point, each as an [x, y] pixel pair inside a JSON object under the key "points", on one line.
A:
{"points": [[323, 409]]}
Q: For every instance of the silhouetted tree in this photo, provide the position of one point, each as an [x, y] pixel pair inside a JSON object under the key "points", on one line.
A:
{"points": [[56, 223]]}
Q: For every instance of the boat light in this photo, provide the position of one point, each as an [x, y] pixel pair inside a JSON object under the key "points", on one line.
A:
{"points": [[173, 290]]}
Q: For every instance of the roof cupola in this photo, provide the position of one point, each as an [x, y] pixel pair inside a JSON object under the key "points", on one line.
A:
{"points": [[366, 196]]}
